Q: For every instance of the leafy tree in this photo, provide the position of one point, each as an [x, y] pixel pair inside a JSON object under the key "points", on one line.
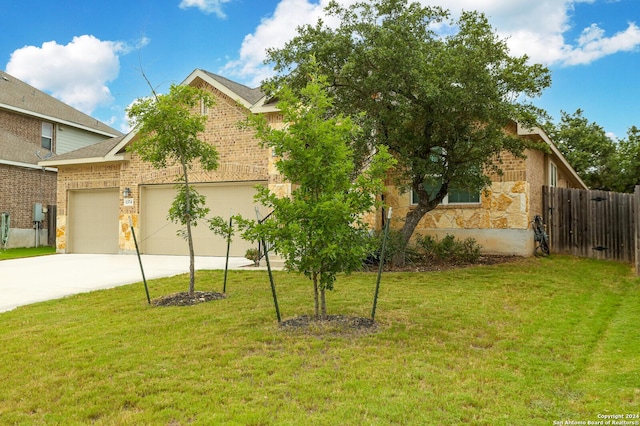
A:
{"points": [[319, 230], [167, 133], [587, 148], [625, 169], [439, 94]]}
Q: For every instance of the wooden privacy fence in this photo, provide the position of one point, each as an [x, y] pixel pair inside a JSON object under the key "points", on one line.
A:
{"points": [[595, 224]]}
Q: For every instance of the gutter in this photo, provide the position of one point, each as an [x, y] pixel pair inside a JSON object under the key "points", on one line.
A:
{"points": [[27, 165]]}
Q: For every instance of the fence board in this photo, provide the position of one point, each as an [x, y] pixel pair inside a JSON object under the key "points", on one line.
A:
{"points": [[595, 224]]}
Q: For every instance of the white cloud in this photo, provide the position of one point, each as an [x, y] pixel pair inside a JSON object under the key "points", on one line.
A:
{"points": [[76, 73], [273, 31], [206, 6], [536, 28]]}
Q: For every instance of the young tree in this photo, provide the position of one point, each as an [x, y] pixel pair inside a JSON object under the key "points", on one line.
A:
{"points": [[439, 94], [167, 133], [587, 148], [319, 230]]}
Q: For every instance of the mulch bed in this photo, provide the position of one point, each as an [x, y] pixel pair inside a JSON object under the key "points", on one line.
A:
{"points": [[184, 299], [430, 265], [337, 325]]}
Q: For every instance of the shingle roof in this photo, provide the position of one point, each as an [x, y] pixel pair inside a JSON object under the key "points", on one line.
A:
{"points": [[96, 150], [17, 94], [14, 149], [249, 94]]}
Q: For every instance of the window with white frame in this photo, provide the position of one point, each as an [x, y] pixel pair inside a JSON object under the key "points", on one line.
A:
{"points": [[47, 136], [553, 174]]}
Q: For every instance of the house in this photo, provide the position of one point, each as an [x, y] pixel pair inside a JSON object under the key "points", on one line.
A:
{"points": [[34, 126], [103, 189], [499, 217]]}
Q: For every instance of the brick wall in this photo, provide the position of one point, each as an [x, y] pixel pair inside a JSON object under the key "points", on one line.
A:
{"points": [[240, 158], [20, 189]]}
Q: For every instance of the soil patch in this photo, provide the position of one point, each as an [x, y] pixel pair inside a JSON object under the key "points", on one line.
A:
{"points": [[337, 325], [184, 299], [427, 265]]}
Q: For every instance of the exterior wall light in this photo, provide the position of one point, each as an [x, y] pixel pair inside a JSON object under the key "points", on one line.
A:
{"points": [[126, 193]]}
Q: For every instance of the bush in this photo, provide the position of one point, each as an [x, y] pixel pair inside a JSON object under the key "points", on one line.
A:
{"points": [[450, 249], [394, 243]]}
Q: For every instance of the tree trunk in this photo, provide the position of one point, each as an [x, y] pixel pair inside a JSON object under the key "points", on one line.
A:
{"points": [[323, 304], [411, 222], [187, 201], [315, 295]]}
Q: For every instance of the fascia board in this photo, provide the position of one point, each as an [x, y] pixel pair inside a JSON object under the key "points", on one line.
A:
{"points": [[215, 83], [27, 165], [538, 131]]}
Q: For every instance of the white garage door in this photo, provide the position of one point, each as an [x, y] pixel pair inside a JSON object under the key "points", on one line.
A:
{"points": [[159, 235], [93, 221]]}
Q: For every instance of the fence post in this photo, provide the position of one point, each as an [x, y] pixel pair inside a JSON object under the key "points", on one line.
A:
{"points": [[636, 225]]}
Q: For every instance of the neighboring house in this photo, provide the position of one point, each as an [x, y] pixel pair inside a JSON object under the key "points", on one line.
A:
{"points": [[104, 188], [34, 126], [499, 217]]}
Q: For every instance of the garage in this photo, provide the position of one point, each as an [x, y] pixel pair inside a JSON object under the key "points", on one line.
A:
{"points": [[93, 221], [159, 235]]}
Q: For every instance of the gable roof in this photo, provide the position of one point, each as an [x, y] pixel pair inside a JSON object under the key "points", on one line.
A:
{"points": [[100, 152], [251, 98], [537, 132], [17, 96]]}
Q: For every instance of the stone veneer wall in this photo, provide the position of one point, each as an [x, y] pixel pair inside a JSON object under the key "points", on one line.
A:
{"points": [[500, 222]]}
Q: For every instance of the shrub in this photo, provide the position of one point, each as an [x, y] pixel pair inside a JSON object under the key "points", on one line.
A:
{"points": [[450, 249]]}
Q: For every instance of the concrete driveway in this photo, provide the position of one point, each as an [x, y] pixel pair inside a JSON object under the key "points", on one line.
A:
{"points": [[30, 280]]}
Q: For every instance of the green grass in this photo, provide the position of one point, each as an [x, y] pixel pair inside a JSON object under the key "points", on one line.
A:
{"points": [[16, 253], [528, 343]]}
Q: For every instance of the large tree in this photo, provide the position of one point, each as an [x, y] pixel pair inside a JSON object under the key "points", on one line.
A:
{"points": [[625, 168], [438, 93], [587, 148], [319, 229], [168, 126]]}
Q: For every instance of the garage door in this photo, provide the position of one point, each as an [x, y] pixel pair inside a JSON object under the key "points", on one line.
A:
{"points": [[93, 221], [159, 235]]}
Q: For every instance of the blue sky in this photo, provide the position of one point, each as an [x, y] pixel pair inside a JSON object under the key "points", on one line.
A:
{"points": [[89, 54]]}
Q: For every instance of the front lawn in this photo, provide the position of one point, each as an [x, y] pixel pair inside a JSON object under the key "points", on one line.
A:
{"points": [[527, 343], [16, 253]]}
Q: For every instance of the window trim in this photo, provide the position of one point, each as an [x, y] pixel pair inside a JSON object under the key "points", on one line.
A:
{"points": [[44, 137], [553, 174], [445, 200]]}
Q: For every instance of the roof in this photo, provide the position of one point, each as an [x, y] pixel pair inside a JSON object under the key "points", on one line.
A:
{"points": [[538, 132], [114, 149], [247, 93], [96, 153], [14, 151], [17, 96]]}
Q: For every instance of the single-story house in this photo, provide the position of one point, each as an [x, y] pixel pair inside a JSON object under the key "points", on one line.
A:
{"points": [[102, 189], [33, 127], [499, 218]]}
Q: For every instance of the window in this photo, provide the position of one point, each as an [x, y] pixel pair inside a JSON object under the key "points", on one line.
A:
{"points": [[455, 195], [204, 108], [553, 174], [47, 136]]}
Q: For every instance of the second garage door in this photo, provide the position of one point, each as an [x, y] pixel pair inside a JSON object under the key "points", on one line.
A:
{"points": [[159, 235]]}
